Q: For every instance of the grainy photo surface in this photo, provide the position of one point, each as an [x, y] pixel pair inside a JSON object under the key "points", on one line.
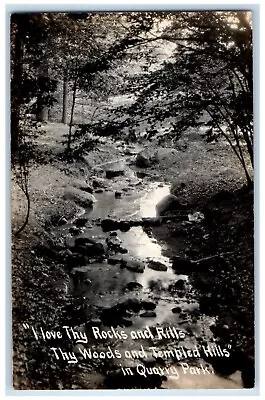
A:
{"points": [[132, 200]]}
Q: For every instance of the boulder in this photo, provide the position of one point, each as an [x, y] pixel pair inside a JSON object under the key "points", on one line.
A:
{"points": [[124, 226], [99, 183], [145, 158], [166, 155], [74, 231], [155, 285], [109, 224], [84, 186], [157, 266], [83, 241], [179, 285], [133, 304], [79, 197], [150, 221], [176, 310], [88, 247], [114, 260], [135, 265], [148, 314], [167, 204], [114, 243], [113, 173], [133, 286], [148, 305], [118, 195], [114, 169], [62, 221], [81, 222]]}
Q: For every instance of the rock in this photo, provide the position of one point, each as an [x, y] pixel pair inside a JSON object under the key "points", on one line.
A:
{"points": [[148, 314], [122, 250], [117, 315], [146, 158], [114, 169], [126, 322], [118, 195], [114, 243], [227, 366], [133, 286], [113, 234], [156, 285], [79, 197], [157, 266], [124, 226], [113, 173], [150, 221], [74, 231], [88, 247], [166, 155], [180, 284], [62, 221], [167, 204], [135, 265], [114, 260], [84, 186], [99, 183], [83, 241], [99, 190], [64, 254], [176, 286], [112, 316], [76, 260], [81, 222], [176, 310], [141, 174], [148, 305], [94, 322], [150, 361], [183, 265], [109, 225], [133, 304]]}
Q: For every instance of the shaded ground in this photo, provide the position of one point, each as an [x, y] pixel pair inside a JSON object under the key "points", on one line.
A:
{"points": [[41, 282]]}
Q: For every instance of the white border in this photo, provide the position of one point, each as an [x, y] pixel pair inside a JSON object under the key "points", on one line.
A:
{"points": [[259, 191]]}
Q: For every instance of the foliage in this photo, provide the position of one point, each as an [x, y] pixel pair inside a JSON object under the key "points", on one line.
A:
{"points": [[209, 70]]}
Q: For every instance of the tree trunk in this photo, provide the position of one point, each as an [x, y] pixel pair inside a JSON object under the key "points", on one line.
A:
{"points": [[65, 93], [43, 113], [15, 90], [69, 141]]}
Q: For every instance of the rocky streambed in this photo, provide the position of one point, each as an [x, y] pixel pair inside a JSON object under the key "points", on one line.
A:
{"points": [[121, 281]]}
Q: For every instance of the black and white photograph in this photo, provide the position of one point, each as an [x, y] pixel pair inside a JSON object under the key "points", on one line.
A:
{"points": [[132, 200]]}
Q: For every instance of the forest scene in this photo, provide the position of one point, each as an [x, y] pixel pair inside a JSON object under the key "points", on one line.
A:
{"points": [[132, 177]]}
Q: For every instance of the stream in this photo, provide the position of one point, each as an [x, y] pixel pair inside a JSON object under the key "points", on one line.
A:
{"points": [[105, 287]]}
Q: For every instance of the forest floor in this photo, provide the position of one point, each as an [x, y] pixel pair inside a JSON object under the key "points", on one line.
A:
{"points": [[205, 177]]}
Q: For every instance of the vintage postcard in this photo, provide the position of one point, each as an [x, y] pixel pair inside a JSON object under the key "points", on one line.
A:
{"points": [[132, 175]]}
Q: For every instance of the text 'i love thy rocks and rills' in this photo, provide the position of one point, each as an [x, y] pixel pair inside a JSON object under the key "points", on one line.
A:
{"points": [[178, 352]]}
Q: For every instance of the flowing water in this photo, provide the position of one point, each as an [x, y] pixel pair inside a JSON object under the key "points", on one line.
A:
{"points": [[107, 282]]}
